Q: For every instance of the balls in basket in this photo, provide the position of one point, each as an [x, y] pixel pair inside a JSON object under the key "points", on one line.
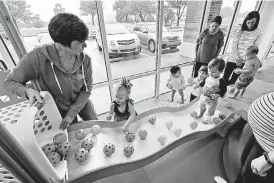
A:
{"points": [[130, 136], [59, 138], [109, 149], [222, 115], [54, 158], [190, 81], [95, 129], [64, 148], [48, 148], [80, 134], [81, 155], [142, 134], [128, 150], [217, 120], [87, 143], [193, 125], [152, 120]]}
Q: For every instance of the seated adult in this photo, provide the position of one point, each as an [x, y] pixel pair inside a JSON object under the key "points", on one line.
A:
{"points": [[61, 68], [258, 154]]}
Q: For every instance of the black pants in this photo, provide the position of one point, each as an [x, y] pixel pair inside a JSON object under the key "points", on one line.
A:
{"points": [[196, 68], [192, 97], [252, 151], [231, 79]]}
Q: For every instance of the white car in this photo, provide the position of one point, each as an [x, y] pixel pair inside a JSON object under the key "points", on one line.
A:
{"points": [[120, 41]]}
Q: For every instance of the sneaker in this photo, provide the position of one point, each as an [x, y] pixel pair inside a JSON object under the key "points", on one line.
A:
{"points": [[219, 180]]}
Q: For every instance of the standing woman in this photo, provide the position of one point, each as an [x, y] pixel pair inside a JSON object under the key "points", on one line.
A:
{"points": [[246, 36], [209, 44]]}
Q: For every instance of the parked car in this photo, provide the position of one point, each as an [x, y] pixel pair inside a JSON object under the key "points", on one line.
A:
{"points": [[147, 35], [92, 33], [120, 41]]}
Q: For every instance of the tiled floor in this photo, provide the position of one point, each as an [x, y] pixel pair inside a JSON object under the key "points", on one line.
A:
{"points": [[197, 161]]}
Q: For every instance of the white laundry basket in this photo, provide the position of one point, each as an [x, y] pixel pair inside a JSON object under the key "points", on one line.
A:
{"points": [[33, 128]]}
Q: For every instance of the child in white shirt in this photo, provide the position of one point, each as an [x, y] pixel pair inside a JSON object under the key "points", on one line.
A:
{"points": [[198, 83], [176, 82]]}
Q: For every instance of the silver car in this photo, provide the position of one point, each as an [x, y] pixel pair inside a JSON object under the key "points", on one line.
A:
{"points": [[147, 35], [120, 41]]}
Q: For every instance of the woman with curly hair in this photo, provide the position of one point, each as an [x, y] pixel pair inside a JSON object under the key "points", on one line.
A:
{"points": [[61, 68], [123, 107]]}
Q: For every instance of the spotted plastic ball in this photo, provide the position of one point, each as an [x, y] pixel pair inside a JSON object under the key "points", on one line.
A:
{"points": [[169, 124], [142, 134], [64, 148], [109, 149], [87, 143], [48, 148], [177, 132], [207, 120], [152, 120], [95, 129], [162, 139], [193, 125], [190, 81], [81, 155], [130, 136], [194, 114], [59, 138], [80, 134], [228, 105], [222, 116], [128, 150], [54, 158], [217, 120]]}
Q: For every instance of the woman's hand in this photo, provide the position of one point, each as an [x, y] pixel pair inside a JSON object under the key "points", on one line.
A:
{"points": [[259, 166], [33, 96], [66, 122]]}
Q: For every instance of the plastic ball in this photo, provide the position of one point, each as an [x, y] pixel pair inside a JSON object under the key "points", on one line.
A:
{"points": [[87, 144], [130, 136], [142, 134], [193, 125], [95, 129], [162, 139], [222, 115], [152, 120], [207, 120], [48, 148], [169, 124], [228, 105], [190, 81], [128, 151], [109, 149], [81, 155], [80, 134], [217, 120], [59, 138], [194, 114], [54, 158], [177, 132], [64, 148]]}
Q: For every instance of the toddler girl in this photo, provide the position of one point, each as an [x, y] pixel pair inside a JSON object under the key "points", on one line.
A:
{"points": [[214, 87], [199, 83], [176, 82], [123, 107]]}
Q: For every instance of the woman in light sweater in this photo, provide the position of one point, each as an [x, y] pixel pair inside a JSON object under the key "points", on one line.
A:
{"points": [[248, 35], [258, 155]]}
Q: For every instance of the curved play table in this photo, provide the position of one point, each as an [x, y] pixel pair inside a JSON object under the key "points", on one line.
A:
{"points": [[99, 166]]}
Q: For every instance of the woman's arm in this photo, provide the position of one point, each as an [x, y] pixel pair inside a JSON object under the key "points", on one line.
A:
{"points": [[131, 117], [220, 45], [235, 43], [198, 42], [85, 92], [259, 38]]}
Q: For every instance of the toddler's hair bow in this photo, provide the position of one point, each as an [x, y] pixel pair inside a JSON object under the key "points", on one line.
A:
{"points": [[126, 83]]}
